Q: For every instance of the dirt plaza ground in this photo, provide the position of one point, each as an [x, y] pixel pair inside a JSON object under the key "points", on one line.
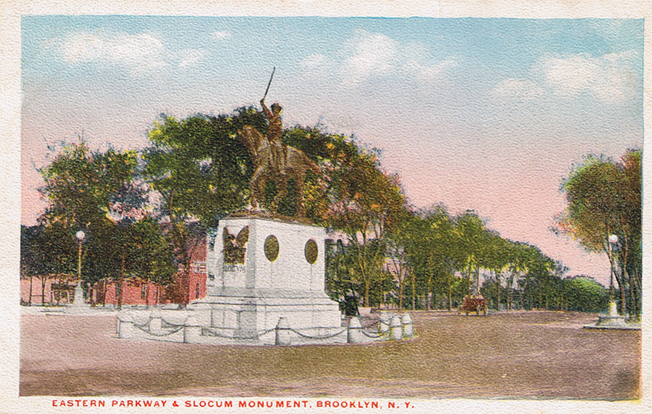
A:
{"points": [[511, 355]]}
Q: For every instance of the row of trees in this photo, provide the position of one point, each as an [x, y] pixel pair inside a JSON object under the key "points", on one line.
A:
{"points": [[142, 211], [432, 259], [98, 193]]}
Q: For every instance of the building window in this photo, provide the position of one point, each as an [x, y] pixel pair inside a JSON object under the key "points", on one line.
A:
{"points": [[143, 291], [197, 290]]}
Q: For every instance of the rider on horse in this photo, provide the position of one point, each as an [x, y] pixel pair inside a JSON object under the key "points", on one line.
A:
{"points": [[274, 134]]}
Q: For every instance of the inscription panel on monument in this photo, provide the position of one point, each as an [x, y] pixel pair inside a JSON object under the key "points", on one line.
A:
{"points": [[234, 268]]}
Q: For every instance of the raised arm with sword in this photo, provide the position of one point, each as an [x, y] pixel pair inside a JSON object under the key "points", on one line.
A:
{"points": [[275, 129]]}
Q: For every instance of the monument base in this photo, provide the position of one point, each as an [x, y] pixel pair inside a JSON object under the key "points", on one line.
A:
{"points": [[612, 320], [274, 269], [78, 305]]}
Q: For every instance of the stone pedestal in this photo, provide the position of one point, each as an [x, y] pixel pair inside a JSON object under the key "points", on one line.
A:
{"points": [[612, 319], [261, 270], [78, 304]]}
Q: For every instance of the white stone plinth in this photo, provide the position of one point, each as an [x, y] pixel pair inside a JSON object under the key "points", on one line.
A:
{"points": [[78, 305], [249, 298]]}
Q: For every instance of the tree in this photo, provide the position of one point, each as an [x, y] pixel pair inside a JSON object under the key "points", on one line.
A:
{"points": [[604, 199], [496, 259], [584, 294], [471, 237], [47, 252], [341, 284], [150, 255], [430, 243], [83, 186], [201, 172], [363, 203], [398, 266]]}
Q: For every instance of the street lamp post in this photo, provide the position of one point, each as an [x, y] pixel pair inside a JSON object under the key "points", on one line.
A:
{"points": [[80, 235], [613, 244]]}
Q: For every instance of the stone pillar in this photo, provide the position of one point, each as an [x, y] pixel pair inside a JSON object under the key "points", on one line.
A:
{"points": [[126, 326], [354, 334], [383, 325], [282, 332], [408, 326], [191, 331], [396, 329], [156, 321], [613, 309]]}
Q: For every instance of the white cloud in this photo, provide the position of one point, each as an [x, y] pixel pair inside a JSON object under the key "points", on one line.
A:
{"points": [[313, 61], [429, 72], [517, 89], [190, 57], [139, 53], [221, 35], [373, 54], [610, 78]]}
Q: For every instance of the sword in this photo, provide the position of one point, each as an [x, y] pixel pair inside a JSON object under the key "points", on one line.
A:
{"points": [[270, 82]]}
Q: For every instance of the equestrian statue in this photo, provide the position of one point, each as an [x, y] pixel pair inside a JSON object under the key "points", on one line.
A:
{"points": [[275, 161]]}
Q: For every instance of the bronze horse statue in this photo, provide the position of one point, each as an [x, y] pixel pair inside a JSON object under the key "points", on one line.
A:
{"points": [[276, 162]]}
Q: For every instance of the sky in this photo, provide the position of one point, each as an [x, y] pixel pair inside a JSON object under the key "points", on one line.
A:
{"points": [[482, 114]]}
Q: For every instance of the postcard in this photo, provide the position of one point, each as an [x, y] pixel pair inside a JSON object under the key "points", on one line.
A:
{"points": [[324, 207]]}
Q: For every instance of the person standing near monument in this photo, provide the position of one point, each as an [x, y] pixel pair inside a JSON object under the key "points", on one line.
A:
{"points": [[274, 134]]}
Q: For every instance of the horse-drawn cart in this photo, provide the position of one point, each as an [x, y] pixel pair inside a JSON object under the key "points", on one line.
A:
{"points": [[473, 303]]}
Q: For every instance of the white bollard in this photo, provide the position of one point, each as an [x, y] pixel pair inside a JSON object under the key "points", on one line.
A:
{"points": [[383, 324], [282, 332], [396, 328], [408, 326], [156, 321], [126, 329], [191, 331], [354, 334]]}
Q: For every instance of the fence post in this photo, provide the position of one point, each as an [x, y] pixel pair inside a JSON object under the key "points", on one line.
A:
{"points": [[125, 326], [155, 323], [396, 328], [191, 331], [408, 326], [383, 324], [282, 332], [354, 332]]}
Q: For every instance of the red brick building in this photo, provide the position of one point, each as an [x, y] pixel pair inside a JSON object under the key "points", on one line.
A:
{"points": [[59, 290]]}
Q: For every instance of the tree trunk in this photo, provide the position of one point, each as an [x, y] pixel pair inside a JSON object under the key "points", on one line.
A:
{"points": [[122, 276], [414, 292], [623, 300], [429, 293], [366, 293], [29, 301], [43, 280], [499, 292]]}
